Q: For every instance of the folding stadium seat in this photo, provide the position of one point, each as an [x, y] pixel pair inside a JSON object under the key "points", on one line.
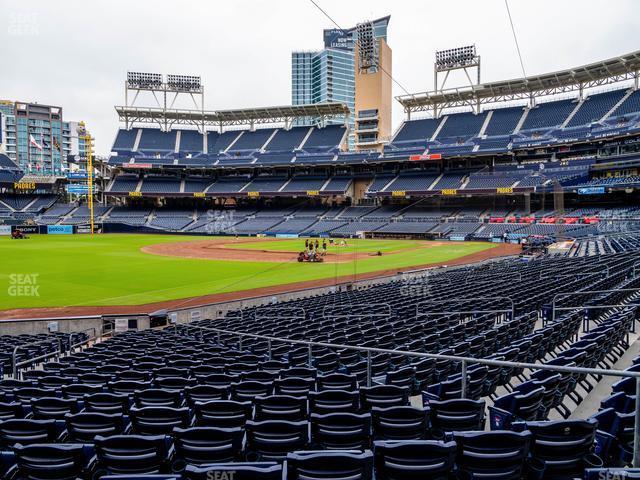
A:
{"points": [[273, 366], [516, 406], [174, 383], [131, 454], [414, 460], [110, 369], [222, 414], [400, 423], [383, 396], [53, 408], [85, 426], [299, 372], [271, 440], [499, 455], [404, 377], [154, 397], [239, 471], [259, 376], [238, 368], [206, 370], [294, 386], [186, 363], [457, 415], [105, 402], [54, 381], [206, 445], [54, 462], [53, 366], [358, 370], [319, 465], [8, 385], [337, 381], [247, 391], [280, 407], [26, 432], [34, 375], [204, 393], [424, 373], [134, 375], [10, 410], [565, 447], [79, 390], [327, 363], [341, 431], [165, 372], [331, 401], [218, 379], [126, 387], [26, 394], [158, 420], [94, 378]]}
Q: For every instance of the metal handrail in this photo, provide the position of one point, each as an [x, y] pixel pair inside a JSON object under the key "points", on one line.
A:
{"points": [[566, 294], [83, 342], [464, 362], [14, 355]]}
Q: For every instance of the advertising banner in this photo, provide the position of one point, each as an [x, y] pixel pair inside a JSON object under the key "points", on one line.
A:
{"points": [[26, 229], [60, 229], [591, 191]]}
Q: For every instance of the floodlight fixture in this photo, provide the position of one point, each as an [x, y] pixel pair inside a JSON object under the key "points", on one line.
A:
{"points": [[183, 83], [456, 58], [368, 52], [144, 80]]}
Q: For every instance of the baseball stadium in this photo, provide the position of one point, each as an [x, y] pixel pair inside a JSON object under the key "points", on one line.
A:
{"points": [[315, 290]]}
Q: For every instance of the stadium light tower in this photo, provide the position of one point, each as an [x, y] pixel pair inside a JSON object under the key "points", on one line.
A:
{"points": [[368, 51], [461, 58], [165, 90]]}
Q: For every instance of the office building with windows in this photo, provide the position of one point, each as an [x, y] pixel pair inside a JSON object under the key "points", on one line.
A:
{"points": [[38, 139], [329, 75]]}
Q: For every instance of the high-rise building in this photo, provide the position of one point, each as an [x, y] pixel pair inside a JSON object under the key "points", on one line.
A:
{"points": [[38, 139], [329, 75]]}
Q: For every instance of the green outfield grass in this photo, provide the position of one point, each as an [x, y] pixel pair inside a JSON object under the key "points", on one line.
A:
{"points": [[111, 269]]}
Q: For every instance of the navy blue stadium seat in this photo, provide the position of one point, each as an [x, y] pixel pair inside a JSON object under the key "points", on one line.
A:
{"points": [[158, 420], [222, 413], [83, 427], [205, 445], [499, 455], [52, 462], [414, 459], [271, 440], [400, 423], [341, 431], [27, 431], [331, 401], [337, 465], [132, 454]]}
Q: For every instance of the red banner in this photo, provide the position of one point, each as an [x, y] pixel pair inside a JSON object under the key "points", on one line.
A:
{"points": [[432, 156]]}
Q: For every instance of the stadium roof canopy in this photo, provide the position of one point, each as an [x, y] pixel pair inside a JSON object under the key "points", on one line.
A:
{"points": [[613, 70], [220, 118]]}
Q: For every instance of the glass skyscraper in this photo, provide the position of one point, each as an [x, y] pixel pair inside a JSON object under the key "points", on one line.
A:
{"points": [[328, 75]]}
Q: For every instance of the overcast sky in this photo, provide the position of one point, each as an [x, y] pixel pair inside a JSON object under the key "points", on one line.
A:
{"points": [[75, 53]]}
